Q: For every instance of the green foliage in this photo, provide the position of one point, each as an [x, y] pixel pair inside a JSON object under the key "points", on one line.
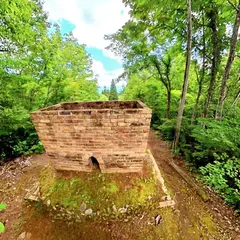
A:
{"points": [[113, 95], [2, 206], [200, 142], [105, 92], [147, 89], [19, 142], [2, 227], [223, 176], [168, 130], [214, 147], [215, 137], [22, 23], [103, 97], [37, 69], [30, 145]]}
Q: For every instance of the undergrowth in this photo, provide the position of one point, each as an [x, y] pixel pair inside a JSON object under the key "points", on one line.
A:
{"points": [[212, 149]]}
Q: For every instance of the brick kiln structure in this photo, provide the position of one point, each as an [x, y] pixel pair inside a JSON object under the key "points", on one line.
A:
{"points": [[111, 134]]}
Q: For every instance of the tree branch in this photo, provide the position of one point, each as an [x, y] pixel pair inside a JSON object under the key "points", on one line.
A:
{"points": [[232, 5]]}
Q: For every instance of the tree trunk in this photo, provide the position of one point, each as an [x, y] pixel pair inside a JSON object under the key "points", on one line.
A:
{"points": [[168, 104], [201, 80], [194, 115], [167, 84], [215, 59], [228, 67], [236, 98], [186, 75]]}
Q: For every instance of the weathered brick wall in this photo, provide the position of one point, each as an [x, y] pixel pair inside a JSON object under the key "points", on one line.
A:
{"points": [[115, 133]]}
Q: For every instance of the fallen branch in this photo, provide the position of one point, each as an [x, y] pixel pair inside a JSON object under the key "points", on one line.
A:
{"points": [[199, 191]]}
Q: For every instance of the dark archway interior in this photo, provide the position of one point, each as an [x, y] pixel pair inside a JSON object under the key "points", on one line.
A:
{"points": [[94, 164]]}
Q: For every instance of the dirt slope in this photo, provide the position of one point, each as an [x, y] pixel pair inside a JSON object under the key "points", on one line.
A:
{"points": [[194, 214], [191, 219]]}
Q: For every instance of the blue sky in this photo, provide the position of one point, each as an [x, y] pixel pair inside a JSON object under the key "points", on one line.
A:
{"points": [[90, 20], [110, 64]]}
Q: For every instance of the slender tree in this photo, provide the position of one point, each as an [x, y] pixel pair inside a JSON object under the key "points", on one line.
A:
{"points": [[231, 56], [163, 69], [236, 98], [113, 95], [216, 50], [186, 75], [200, 79]]}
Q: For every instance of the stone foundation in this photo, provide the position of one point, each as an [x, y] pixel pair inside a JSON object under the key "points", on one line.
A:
{"points": [[114, 132]]}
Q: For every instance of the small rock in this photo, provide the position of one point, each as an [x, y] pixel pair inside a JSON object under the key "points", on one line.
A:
{"points": [[17, 160], [5, 222], [215, 209], [83, 207], [69, 212], [225, 218], [166, 204], [149, 197], [28, 236], [122, 210], [158, 219], [48, 202], [166, 198], [89, 211], [24, 236], [21, 236], [114, 208]]}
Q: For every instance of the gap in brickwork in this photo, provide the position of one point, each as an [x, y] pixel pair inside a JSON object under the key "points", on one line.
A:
{"points": [[94, 164]]}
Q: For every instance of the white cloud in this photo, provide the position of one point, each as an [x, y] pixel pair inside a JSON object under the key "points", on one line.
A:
{"points": [[93, 19], [105, 77]]}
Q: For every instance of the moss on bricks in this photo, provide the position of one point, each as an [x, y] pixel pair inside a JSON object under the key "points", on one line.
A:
{"points": [[100, 192]]}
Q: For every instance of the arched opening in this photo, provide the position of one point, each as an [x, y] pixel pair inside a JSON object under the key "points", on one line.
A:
{"points": [[94, 164]]}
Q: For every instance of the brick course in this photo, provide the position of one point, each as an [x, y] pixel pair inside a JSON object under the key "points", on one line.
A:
{"points": [[114, 132]]}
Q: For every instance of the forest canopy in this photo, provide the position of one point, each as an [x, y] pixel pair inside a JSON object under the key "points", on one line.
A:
{"points": [[38, 68]]}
